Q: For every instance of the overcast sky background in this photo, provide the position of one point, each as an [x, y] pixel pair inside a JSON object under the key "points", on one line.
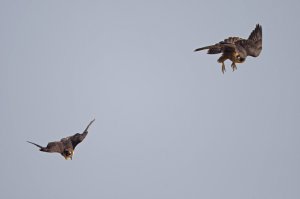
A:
{"points": [[169, 124]]}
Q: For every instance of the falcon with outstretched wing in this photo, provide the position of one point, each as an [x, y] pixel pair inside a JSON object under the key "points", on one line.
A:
{"points": [[66, 145], [237, 49]]}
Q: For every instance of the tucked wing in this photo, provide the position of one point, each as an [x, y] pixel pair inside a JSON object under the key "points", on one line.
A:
{"points": [[231, 40], [78, 137], [217, 48], [227, 45], [213, 49]]}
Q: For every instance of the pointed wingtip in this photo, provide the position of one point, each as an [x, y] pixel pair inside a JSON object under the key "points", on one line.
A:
{"points": [[198, 49], [89, 125], [258, 26], [35, 144], [92, 121]]}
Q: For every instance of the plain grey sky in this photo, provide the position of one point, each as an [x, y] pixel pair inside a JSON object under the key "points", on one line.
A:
{"points": [[169, 124]]}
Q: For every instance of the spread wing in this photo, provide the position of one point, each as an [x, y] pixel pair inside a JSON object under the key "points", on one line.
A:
{"points": [[78, 137], [55, 147], [52, 147], [253, 45], [256, 34]]}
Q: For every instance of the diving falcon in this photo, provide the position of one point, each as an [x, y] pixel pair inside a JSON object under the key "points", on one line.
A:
{"points": [[237, 49], [66, 145]]}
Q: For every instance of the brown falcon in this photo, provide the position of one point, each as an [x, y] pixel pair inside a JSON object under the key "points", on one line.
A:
{"points": [[237, 49], [66, 145]]}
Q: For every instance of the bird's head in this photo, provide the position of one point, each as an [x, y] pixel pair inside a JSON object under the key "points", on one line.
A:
{"points": [[239, 59], [68, 153]]}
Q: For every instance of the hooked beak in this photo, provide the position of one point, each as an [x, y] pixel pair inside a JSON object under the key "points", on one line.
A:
{"points": [[67, 158]]}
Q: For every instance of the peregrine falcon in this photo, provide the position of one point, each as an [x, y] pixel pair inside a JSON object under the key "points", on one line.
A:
{"points": [[65, 146], [237, 49]]}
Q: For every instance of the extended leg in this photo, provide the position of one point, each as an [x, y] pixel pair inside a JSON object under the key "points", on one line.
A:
{"points": [[233, 66], [222, 59], [223, 68]]}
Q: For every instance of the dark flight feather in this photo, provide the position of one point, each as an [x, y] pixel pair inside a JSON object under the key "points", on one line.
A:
{"points": [[77, 138]]}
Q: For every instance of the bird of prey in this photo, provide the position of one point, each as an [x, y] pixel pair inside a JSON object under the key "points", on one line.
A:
{"points": [[66, 145], [237, 49]]}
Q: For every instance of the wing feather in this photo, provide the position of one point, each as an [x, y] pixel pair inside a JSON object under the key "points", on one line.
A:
{"points": [[55, 147], [52, 147], [256, 34], [253, 45], [213, 49], [231, 40], [79, 137], [227, 45]]}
